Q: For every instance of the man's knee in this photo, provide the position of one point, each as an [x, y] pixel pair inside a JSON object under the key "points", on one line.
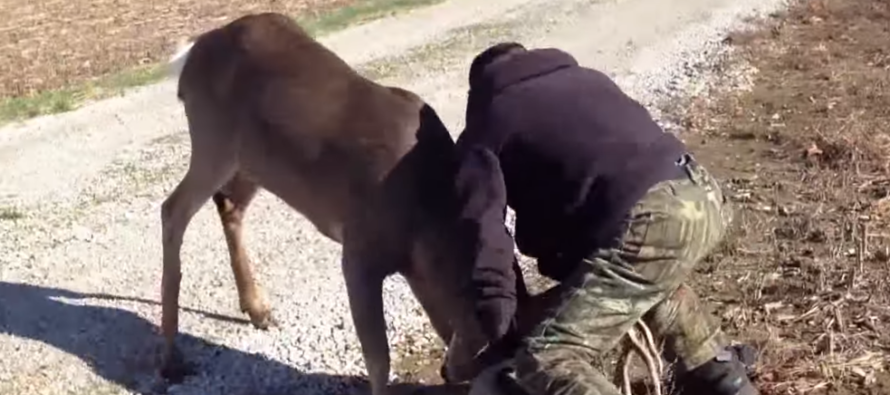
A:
{"points": [[560, 371], [690, 333]]}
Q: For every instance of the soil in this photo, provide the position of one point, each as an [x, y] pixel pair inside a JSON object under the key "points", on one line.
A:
{"points": [[803, 155], [56, 43]]}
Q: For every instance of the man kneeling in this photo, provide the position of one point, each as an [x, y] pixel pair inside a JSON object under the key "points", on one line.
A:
{"points": [[611, 206]]}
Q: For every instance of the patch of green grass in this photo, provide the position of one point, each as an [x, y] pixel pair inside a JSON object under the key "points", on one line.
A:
{"points": [[67, 99], [359, 12], [10, 214]]}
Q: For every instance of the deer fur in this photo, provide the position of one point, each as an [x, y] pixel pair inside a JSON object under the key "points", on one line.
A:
{"points": [[270, 107]]}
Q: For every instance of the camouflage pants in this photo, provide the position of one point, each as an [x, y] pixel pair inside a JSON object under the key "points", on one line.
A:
{"points": [[672, 228]]}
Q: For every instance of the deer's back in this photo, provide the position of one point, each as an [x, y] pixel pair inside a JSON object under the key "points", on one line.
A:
{"points": [[309, 128]]}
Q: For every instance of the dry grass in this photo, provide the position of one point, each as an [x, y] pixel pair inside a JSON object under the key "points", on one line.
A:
{"points": [[53, 44], [54, 55], [806, 274]]}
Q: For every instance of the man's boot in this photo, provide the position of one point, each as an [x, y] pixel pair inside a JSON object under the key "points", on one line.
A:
{"points": [[726, 374]]}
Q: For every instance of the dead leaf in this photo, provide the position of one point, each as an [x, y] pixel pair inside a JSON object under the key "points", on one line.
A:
{"points": [[813, 150]]}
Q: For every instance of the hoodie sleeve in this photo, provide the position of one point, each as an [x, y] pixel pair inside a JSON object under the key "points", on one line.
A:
{"points": [[482, 204]]}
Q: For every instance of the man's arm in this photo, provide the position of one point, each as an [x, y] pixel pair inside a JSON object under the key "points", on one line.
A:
{"points": [[482, 202]]}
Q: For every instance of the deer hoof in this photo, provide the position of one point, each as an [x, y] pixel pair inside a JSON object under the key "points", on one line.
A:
{"points": [[174, 369], [262, 320]]}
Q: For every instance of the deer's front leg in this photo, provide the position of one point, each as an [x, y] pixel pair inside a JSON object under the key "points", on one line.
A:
{"points": [[364, 286]]}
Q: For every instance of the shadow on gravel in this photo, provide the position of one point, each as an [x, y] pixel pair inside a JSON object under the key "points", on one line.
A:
{"points": [[121, 347], [214, 316]]}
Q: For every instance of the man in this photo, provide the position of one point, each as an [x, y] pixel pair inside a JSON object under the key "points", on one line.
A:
{"points": [[612, 207]]}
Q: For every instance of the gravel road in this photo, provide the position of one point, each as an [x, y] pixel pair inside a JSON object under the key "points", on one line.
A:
{"points": [[80, 198]]}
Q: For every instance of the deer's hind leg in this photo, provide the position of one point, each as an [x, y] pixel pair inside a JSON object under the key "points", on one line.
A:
{"points": [[231, 204], [211, 165]]}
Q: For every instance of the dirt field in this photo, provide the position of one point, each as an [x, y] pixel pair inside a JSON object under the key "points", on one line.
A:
{"points": [[806, 275], [55, 43]]}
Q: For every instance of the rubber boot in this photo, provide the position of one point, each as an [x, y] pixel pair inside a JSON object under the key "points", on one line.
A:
{"points": [[726, 374]]}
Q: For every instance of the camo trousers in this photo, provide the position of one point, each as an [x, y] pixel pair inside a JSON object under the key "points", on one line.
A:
{"points": [[669, 230]]}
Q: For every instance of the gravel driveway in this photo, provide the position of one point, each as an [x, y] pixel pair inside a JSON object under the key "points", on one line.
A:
{"points": [[80, 194]]}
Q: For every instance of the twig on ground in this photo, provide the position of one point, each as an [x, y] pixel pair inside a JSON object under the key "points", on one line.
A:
{"points": [[641, 341]]}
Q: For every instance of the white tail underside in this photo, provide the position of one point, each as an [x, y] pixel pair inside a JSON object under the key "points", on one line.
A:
{"points": [[177, 61]]}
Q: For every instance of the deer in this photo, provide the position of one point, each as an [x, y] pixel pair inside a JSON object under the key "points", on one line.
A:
{"points": [[267, 106]]}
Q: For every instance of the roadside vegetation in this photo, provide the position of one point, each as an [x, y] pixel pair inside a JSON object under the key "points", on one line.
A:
{"points": [[58, 55]]}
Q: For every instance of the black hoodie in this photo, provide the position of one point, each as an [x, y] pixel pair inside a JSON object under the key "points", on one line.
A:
{"points": [[568, 151]]}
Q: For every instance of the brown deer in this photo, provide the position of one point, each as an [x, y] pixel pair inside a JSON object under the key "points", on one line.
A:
{"points": [[268, 106]]}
